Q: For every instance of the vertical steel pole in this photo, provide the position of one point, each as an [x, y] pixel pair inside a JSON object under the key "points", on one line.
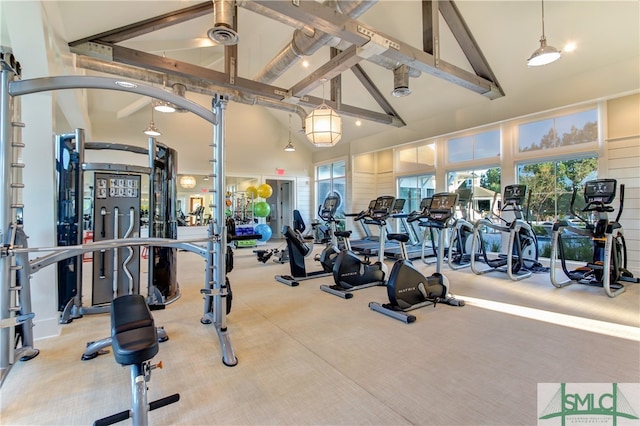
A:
{"points": [[6, 346], [217, 235]]}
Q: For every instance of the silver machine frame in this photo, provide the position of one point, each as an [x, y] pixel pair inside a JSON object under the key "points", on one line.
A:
{"points": [[15, 265]]}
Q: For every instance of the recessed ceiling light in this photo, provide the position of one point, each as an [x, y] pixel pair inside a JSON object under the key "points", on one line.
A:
{"points": [[358, 123], [305, 63], [569, 47]]}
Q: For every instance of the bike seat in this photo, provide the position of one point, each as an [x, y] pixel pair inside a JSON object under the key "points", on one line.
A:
{"points": [[403, 238], [343, 234]]}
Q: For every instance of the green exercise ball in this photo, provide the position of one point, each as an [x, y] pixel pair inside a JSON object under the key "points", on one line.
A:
{"points": [[261, 209]]}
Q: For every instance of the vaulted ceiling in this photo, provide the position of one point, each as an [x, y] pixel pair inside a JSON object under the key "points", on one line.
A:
{"points": [[463, 57]]}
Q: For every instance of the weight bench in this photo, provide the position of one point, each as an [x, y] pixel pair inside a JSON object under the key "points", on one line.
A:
{"points": [[135, 342]]}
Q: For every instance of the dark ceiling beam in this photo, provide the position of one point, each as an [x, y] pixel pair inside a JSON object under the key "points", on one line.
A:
{"points": [[150, 25], [352, 31], [204, 76], [336, 66], [430, 26], [373, 90], [467, 42]]}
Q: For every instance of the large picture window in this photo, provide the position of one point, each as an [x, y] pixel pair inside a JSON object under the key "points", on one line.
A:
{"points": [[565, 130], [484, 185], [414, 189], [551, 184]]}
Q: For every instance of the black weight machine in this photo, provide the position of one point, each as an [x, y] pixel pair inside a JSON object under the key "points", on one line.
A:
{"points": [[298, 249], [350, 273], [521, 254], [407, 288], [608, 267]]}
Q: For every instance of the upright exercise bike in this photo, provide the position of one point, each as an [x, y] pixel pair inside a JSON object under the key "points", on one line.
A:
{"points": [[299, 249], [408, 288], [350, 273], [521, 254], [608, 268]]}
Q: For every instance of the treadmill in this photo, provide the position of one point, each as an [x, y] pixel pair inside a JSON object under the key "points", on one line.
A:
{"points": [[372, 248], [412, 228], [359, 218]]}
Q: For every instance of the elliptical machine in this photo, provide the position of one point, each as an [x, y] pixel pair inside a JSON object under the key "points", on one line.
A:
{"points": [[521, 254], [350, 273], [461, 242], [408, 288], [608, 268], [298, 249]]}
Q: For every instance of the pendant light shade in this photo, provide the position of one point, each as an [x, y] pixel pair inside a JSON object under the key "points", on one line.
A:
{"points": [[323, 126], [545, 54], [151, 129], [188, 182]]}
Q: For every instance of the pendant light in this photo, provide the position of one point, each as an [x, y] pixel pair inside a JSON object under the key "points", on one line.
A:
{"points": [[290, 147], [323, 125], [545, 54], [151, 129]]}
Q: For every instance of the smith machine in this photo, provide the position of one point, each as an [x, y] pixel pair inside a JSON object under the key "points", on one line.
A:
{"points": [[16, 266]]}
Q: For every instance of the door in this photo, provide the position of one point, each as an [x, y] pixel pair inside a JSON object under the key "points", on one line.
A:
{"points": [[281, 204]]}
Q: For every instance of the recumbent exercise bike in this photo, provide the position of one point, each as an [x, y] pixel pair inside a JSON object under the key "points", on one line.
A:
{"points": [[407, 287], [298, 249], [350, 273]]}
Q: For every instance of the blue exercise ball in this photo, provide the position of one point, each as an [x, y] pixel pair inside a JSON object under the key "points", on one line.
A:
{"points": [[264, 230]]}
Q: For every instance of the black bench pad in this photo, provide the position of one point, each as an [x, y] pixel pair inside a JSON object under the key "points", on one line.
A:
{"points": [[133, 332]]}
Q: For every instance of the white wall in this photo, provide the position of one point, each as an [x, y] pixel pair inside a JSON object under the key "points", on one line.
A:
{"points": [[623, 164]]}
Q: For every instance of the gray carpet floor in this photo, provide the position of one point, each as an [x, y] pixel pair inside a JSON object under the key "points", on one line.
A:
{"points": [[309, 358]]}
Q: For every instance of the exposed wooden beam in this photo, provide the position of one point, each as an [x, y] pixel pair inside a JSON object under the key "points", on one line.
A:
{"points": [[352, 31], [336, 66], [467, 42], [205, 77], [149, 25], [430, 28], [373, 90]]}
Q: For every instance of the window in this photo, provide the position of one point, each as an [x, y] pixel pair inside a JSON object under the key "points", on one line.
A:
{"points": [[565, 130], [414, 189], [331, 179], [551, 184], [474, 147], [415, 158], [485, 184]]}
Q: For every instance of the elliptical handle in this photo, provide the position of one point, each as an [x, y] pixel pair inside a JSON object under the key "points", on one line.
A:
{"points": [[621, 205]]}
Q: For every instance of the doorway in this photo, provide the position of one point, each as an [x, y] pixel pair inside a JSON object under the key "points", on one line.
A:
{"points": [[281, 204], [196, 210]]}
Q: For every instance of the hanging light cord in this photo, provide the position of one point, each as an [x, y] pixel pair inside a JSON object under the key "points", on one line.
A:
{"points": [[542, 18]]}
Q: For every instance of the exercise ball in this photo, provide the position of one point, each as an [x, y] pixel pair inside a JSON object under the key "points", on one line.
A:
{"points": [[252, 191], [261, 209], [265, 190], [264, 230], [227, 212]]}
